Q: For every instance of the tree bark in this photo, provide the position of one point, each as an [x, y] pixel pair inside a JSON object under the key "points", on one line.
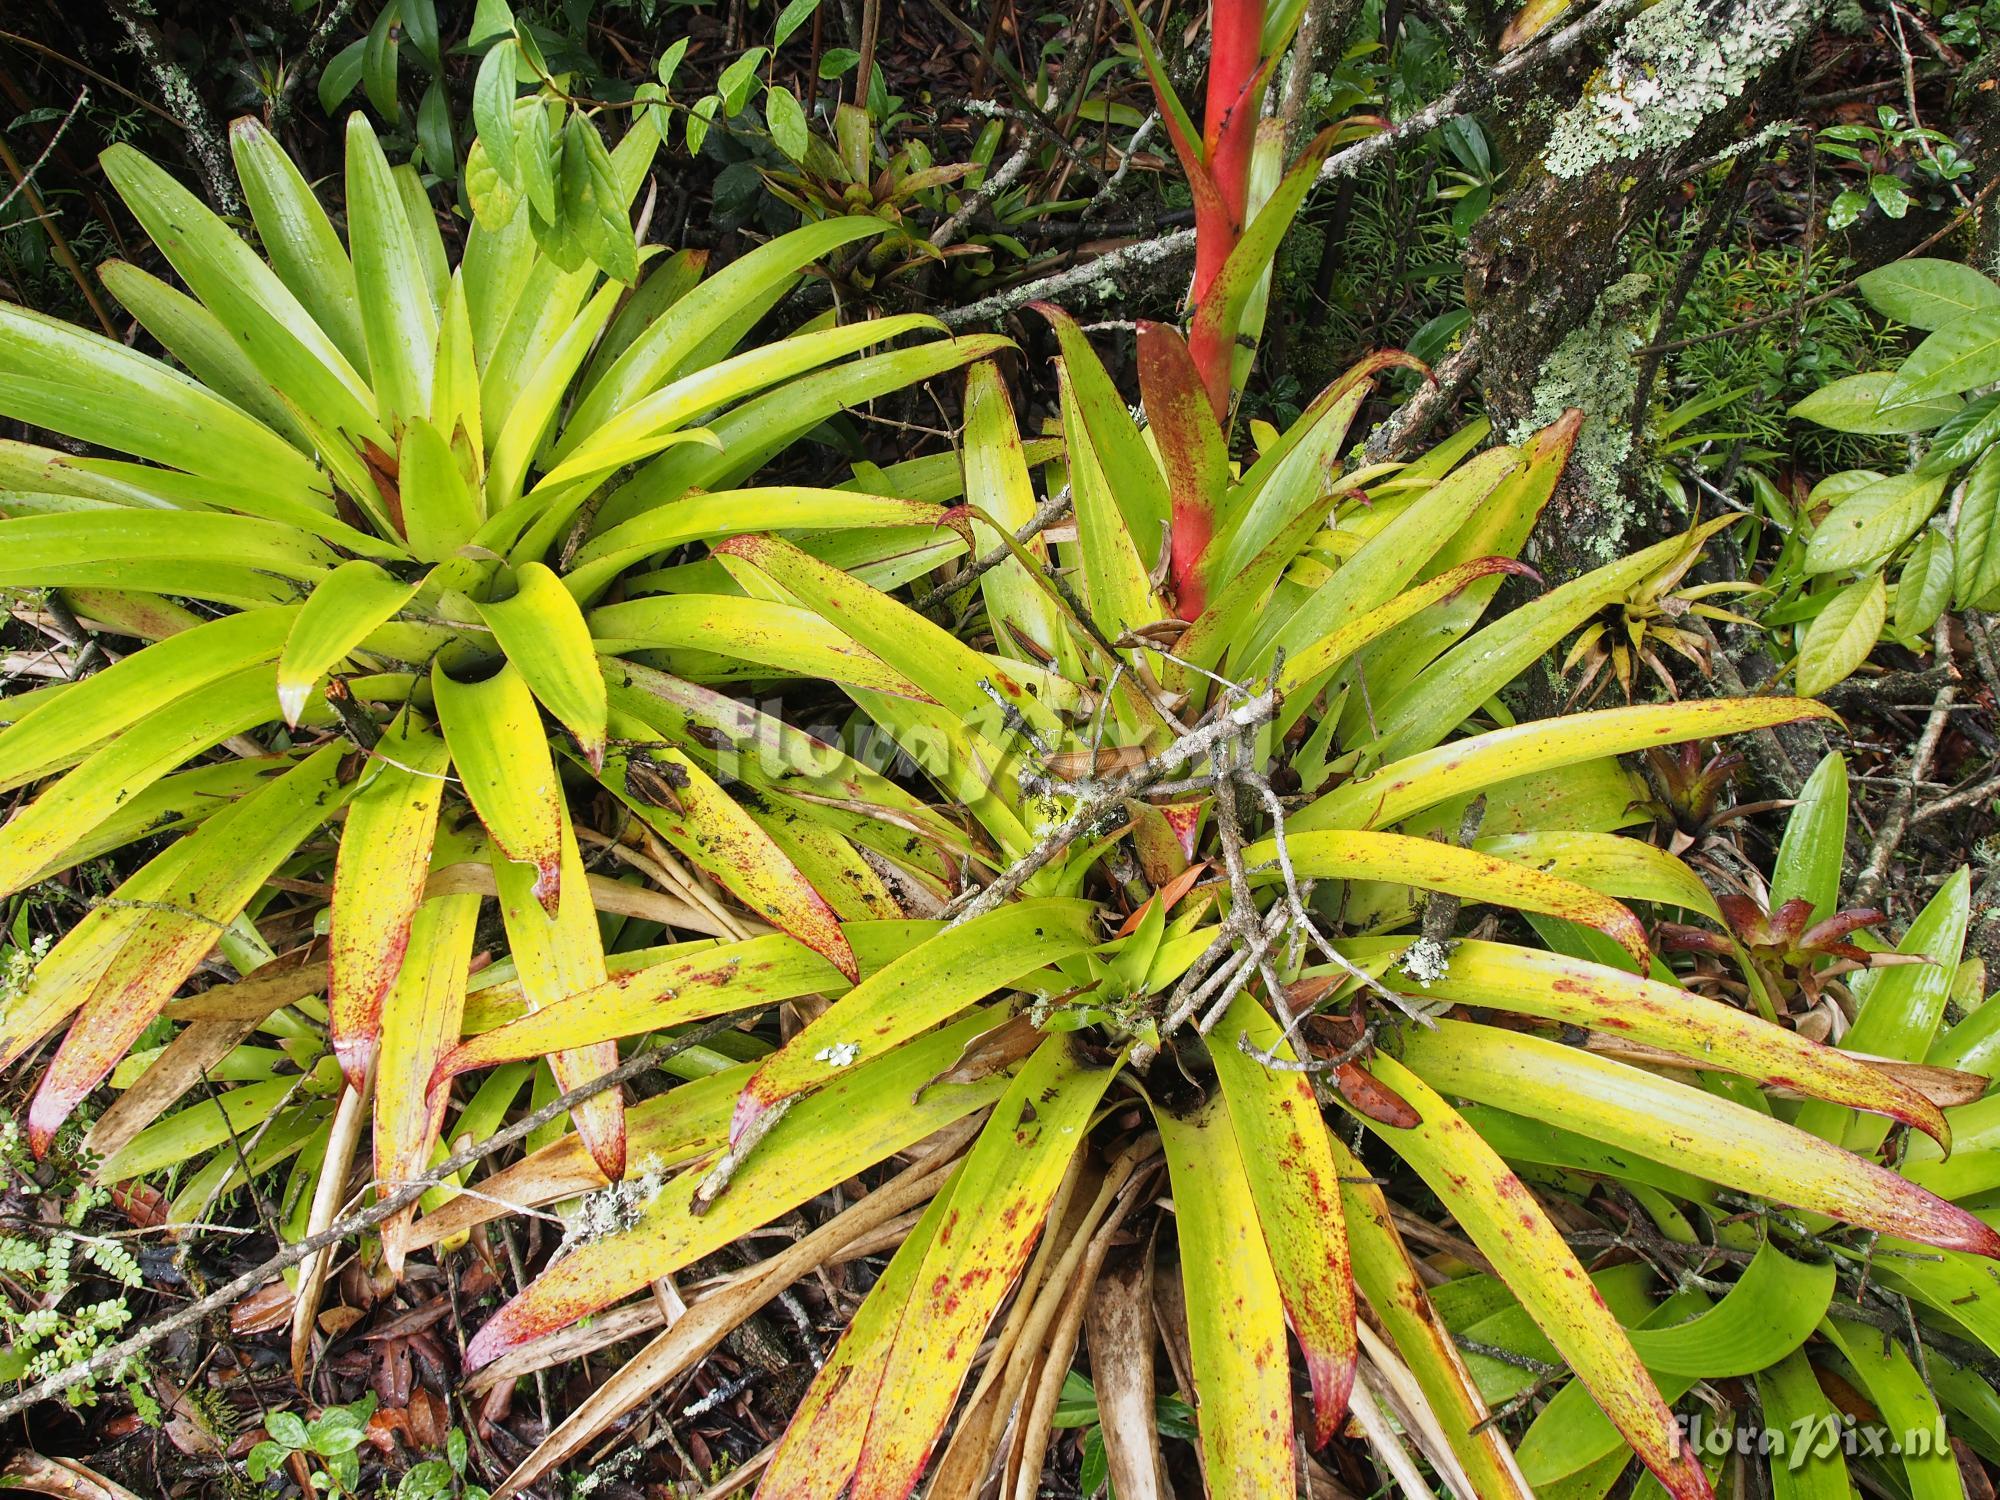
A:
{"points": [[1556, 322]]}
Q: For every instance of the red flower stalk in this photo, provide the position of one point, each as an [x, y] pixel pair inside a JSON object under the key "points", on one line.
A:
{"points": [[1229, 131]]}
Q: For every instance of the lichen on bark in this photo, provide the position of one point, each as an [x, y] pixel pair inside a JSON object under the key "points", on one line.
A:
{"points": [[1675, 65], [1595, 370]]}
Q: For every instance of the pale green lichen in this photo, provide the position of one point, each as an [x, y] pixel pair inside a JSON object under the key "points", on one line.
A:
{"points": [[1675, 65], [1594, 370]]}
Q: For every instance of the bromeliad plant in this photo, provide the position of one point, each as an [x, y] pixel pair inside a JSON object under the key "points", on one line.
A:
{"points": [[1138, 962], [1147, 902], [395, 489], [1123, 928]]}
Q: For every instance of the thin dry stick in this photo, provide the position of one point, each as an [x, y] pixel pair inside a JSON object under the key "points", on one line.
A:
{"points": [[1068, 78], [1046, 515], [55, 140], [1192, 746], [114, 1355], [1897, 824], [24, 184]]}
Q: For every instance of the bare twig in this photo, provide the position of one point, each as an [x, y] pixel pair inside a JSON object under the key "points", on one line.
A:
{"points": [[1890, 836], [1046, 515], [24, 184], [1110, 797], [55, 140]]}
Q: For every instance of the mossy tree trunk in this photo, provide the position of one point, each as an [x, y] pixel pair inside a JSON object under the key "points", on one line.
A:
{"points": [[1556, 320]]}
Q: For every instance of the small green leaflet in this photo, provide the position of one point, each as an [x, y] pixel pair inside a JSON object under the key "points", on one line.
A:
{"points": [[1841, 636]]}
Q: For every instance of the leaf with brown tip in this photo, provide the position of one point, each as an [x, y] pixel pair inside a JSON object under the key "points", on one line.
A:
{"points": [[228, 858], [1666, 1121], [1505, 1221], [680, 802], [1296, 1189]]}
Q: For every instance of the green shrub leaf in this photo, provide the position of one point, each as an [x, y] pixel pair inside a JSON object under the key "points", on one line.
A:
{"points": [[1841, 636]]}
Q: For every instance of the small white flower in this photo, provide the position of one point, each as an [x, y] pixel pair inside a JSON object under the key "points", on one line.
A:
{"points": [[840, 1055]]}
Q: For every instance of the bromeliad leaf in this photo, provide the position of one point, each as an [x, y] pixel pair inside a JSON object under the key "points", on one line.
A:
{"points": [[61, 730], [1336, 855], [503, 762], [1628, 1006], [998, 1202], [679, 801], [226, 860], [1408, 786], [558, 952], [1502, 1217], [379, 874], [1700, 1133], [346, 607], [936, 980], [544, 635], [1235, 1306], [864, 1115], [1289, 1169], [420, 1016]]}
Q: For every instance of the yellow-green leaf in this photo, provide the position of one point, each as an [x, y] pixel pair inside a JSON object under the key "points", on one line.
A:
{"points": [[1235, 1310], [378, 881], [1295, 1186], [349, 603], [544, 635], [1505, 1221], [503, 762], [936, 980]]}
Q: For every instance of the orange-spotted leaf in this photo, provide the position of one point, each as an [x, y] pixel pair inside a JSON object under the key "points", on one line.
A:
{"points": [[1404, 860], [378, 881], [227, 859], [1665, 1121], [867, 1114], [1510, 1227], [1295, 1186], [1235, 1307], [998, 1204], [420, 1019], [680, 802], [933, 981], [1386, 1277], [1625, 1005], [815, 1458]]}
